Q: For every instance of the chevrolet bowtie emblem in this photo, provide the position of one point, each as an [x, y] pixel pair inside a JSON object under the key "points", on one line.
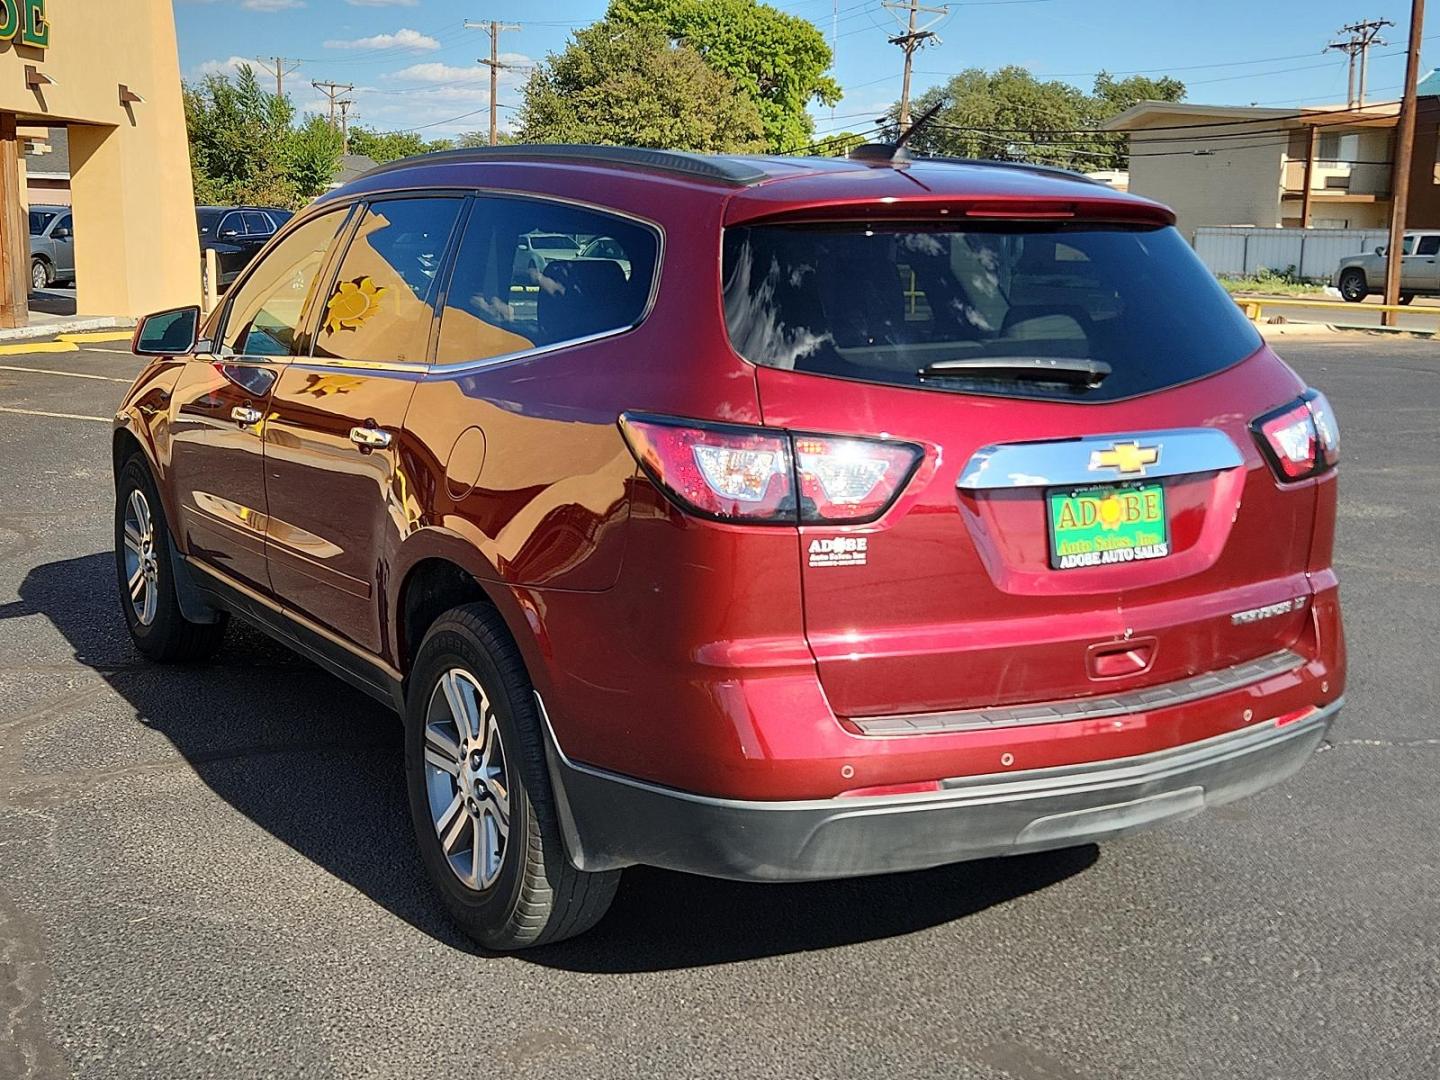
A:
{"points": [[1126, 458]]}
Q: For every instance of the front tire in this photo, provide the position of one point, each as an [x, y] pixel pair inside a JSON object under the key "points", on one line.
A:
{"points": [[1407, 298], [480, 796], [146, 578], [1353, 286], [39, 275]]}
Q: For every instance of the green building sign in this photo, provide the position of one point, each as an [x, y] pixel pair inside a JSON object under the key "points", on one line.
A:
{"points": [[24, 22]]}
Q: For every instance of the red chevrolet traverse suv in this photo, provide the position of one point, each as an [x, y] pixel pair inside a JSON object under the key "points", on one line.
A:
{"points": [[829, 517]]}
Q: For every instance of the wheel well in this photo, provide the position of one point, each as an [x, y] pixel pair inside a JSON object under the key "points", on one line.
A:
{"points": [[432, 587], [39, 256], [124, 446]]}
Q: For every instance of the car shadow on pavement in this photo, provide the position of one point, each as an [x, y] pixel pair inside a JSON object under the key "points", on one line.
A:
{"points": [[318, 766]]}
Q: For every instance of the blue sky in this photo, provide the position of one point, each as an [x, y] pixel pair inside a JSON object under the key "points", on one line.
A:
{"points": [[413, 63]]}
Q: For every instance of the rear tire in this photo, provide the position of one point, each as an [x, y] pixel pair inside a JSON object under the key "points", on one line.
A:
{"points": [[1353, 286], [480, 796], [146, 578]]}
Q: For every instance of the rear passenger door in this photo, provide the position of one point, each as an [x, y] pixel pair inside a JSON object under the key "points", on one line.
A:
{"points": [[339, 496]]}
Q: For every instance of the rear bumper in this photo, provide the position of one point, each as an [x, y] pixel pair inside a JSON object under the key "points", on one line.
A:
{"points": [[612, 821]]}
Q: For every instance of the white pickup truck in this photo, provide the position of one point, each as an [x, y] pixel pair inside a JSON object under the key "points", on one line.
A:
{"points": [[1360, 275]]}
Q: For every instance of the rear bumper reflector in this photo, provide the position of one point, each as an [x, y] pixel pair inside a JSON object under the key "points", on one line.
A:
{"points": [[1088, 708]]}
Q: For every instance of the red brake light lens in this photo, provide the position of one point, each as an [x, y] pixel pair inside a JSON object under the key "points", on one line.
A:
{"points": [[721, 471], [1300, 439], [728, 472]]}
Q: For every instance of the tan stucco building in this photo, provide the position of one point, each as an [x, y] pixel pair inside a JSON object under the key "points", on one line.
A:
{"points": [[110, 75], [1318, 167]]}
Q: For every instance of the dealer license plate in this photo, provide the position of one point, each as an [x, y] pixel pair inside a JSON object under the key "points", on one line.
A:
{"points": [[1106, 525]]}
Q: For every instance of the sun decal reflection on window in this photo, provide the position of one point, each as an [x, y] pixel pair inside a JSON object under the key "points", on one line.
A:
{"points": [[352, 304]]}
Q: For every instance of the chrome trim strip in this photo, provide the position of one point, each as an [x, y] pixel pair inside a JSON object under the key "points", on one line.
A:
{"points": [[1074, 462], [1090, 708]]}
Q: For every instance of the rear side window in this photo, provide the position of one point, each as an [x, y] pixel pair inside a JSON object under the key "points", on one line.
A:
{"points": [[521, 281], [265, 310], [886, 304], [257, 224], [381, 305]]}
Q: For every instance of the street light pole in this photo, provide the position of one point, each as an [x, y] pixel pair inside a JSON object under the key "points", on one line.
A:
{"points": [[1404, 156]]}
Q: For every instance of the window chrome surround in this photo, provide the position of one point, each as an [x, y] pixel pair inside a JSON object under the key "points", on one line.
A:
{"points": [[1069, 462]]}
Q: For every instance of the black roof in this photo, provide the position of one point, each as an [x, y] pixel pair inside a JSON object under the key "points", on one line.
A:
{"points": [[723, 170]]}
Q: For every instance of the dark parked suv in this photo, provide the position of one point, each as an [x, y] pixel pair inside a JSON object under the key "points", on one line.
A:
{"points": [[847, 517]]}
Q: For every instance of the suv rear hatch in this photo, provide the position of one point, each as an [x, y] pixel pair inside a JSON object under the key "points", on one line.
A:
{"points": [[1093, 514]]}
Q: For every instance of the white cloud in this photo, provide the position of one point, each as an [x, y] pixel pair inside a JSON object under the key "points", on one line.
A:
{"points": [[222, 67], [271, 5], [403, 38], [433, 71]]}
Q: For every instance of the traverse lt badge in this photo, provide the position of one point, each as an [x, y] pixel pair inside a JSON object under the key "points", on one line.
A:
{"points": [[1126, 458]]}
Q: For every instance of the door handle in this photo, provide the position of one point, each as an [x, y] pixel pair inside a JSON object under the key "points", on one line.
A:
{"points": [[369, 438], [244, 414]]}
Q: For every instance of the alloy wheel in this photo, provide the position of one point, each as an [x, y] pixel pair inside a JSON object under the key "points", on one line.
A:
{"points": [[466, 779], [142, 565], [1352, 287], [38, 278]]}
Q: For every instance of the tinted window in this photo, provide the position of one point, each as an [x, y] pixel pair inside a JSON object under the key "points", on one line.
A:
{"points": [[67, 222], [257, 224], [1429, 245], [232, 223], [38, 220], [504, 298], [265, 312], [881, 304], [382, 303]]}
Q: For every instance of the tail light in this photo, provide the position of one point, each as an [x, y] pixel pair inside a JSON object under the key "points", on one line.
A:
{"points": [[729, 472], [1300, 439]]}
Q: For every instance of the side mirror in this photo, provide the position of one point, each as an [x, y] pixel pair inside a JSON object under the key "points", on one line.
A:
{"points": [[168, 333], [62, 234], [1379, 251]]}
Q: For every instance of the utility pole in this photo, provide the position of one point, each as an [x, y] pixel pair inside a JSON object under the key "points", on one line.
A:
{"points": [[344, 105], [914, 38], [494, 28], [276, 65], [1363, 35], [332, 92], [1404, 155]]}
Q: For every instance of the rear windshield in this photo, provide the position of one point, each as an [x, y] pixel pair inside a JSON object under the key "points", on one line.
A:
{"points": [[885, 304]]}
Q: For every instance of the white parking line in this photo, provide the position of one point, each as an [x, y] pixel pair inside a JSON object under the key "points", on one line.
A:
{"points": [[71, 374], [56, 415]]}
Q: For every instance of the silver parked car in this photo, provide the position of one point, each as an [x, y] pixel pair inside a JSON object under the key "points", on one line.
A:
{"points": [[1360, 275], [52, 246]]}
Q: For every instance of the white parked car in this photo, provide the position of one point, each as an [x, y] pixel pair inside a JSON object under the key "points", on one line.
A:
{"points": [[1358, 276]]}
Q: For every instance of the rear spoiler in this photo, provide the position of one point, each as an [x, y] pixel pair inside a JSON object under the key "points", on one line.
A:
{"points": [[958, 209]]}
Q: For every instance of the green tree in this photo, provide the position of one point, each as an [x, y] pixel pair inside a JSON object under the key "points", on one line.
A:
{"points": [[630, 86], [780, 60], [837, 145], [1009, 115], [383, 146], [245, 147], [473, 139]]}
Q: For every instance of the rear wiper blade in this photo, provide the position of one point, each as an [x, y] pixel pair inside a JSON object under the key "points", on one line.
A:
{"points": [[1020, 368]]}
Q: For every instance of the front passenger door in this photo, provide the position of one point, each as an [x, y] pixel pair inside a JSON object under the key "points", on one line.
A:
{"points": [[221, 402]]}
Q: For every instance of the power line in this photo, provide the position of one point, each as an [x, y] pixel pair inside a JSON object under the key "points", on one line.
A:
{"points": [[332, 92], [1363, 35]]}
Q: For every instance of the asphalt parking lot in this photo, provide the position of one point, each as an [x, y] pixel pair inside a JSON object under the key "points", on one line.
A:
{"points": [[208, 871]]}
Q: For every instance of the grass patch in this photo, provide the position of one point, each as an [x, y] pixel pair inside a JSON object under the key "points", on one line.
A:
{"points": [[1273, 283]]}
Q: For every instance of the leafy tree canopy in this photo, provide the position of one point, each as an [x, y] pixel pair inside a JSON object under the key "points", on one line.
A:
{"points": [[246, 148], [779, 60], [383, 146], [632, 86], [1009, 115]]}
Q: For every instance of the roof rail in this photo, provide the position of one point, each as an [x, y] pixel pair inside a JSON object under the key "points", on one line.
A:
{"points": [[1023, 166], [696, 166]]}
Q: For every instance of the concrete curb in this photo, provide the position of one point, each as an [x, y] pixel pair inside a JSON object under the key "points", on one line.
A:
{"points": [[66, 326]]}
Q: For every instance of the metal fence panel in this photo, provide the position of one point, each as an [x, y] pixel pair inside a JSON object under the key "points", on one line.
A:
{"points": [[1314, 253]]}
